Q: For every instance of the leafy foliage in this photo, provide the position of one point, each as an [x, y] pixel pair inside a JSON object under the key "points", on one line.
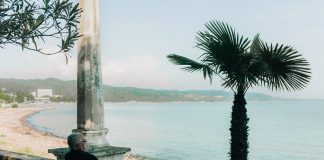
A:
{"points": [[26, 23], [21, 97], [6, 98], [241, 63], [15, 105], [283, 66]]}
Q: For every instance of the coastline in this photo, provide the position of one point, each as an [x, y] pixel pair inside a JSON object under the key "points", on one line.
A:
{"points": [[31, 126], [18, 135]]}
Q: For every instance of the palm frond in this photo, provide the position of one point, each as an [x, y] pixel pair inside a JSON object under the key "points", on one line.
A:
{"points": [[242, 64], [222, 46], [226, 51], [191, 65], [284, 68], [255, 45]]}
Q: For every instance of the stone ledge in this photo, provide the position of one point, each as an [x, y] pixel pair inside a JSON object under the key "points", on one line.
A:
{"points": [[7, 155], [98, 151]]}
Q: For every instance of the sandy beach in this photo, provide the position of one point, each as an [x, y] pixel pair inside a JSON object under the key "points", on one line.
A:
{"points": [[18, 136]]}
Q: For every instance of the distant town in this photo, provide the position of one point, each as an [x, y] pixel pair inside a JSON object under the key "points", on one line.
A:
{"points": [[39, 96], [51, 90]]}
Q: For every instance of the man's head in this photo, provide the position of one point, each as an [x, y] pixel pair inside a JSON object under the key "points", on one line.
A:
{"points": [[76, 141]]}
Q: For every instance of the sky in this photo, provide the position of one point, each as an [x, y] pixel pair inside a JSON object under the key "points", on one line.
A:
{"points": [[136, 36]]}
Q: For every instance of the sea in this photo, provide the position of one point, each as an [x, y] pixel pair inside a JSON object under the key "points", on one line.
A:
{"points": [[278, 130]]}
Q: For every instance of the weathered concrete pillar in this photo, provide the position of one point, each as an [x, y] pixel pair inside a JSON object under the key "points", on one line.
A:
{"points": [[90, 105], [90, 115]]}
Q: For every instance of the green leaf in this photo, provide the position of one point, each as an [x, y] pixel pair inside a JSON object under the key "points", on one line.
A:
{"points": [[66, 59], [39, 21]]}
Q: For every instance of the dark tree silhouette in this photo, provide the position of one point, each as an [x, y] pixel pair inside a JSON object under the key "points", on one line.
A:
{"points": [[242, 64]]}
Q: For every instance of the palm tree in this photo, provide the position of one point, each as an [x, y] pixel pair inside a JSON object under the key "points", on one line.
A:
{"points": [[242, 64]]}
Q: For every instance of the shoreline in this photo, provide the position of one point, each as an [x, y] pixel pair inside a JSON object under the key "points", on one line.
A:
{"points": [[30, 125], [19, 135]]}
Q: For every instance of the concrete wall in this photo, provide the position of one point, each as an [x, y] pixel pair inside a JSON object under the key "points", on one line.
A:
{"points": [[6, 155]]}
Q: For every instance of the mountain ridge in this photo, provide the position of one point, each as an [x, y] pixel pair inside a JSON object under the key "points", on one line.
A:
{"points": [[68, 88]]}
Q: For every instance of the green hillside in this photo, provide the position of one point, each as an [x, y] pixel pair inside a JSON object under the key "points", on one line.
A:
{"points": [[123, 94]]}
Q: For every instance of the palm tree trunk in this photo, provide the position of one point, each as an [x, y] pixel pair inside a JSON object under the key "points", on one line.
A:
{"points": [[239, 128]]}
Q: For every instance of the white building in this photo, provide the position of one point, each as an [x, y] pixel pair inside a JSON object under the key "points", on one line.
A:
{"points": [[44, 92], [42, 95], [42, 100]]}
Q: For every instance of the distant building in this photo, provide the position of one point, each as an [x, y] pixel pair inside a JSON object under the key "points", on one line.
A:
{"points": [[44, 93], [42, 100]]}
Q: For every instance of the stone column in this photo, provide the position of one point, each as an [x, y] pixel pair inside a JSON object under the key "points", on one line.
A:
{"points": [[90, 105], [90, 114]]}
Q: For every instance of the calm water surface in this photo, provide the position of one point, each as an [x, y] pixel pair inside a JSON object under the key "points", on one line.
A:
{"points": [[200, 131]]}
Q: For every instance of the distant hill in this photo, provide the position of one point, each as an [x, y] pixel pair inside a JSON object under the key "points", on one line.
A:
{"points": [[123, 94]]}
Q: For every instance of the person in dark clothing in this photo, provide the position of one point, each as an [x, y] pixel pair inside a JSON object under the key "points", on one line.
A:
{"points": [[77, 142]]}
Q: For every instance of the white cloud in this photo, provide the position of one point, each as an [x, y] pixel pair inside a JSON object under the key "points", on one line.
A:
{"points": [[35, 65], [139, 71]]}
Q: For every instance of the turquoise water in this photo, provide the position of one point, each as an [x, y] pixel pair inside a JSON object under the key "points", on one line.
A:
{"points": [[200, 131]]}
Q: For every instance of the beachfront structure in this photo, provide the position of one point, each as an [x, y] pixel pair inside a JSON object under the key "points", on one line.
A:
{"points": [[42, 100], [90, 104], [44, 93]]}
